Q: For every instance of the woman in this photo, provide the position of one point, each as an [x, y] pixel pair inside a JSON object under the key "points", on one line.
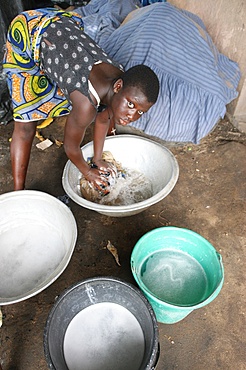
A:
{"points": [[54, 69]]}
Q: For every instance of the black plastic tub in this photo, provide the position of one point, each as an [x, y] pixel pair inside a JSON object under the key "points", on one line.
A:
{"points": [[102, 323]]}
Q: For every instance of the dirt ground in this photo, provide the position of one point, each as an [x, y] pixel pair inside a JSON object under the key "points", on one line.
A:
{"points": [[209, 198]]}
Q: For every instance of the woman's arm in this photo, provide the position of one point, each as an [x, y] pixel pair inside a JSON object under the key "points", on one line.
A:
{"points": [[100, 131], [81, 116]]}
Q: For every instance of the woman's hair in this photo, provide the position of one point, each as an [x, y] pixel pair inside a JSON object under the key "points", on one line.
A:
{"points": [[145, 79]]}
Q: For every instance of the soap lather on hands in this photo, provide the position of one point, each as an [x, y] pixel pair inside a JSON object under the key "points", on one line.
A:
{"points": [[108, 169], [107, 174]]}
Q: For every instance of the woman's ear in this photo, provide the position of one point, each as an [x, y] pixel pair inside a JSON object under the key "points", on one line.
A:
{"points": [[118, 85]]}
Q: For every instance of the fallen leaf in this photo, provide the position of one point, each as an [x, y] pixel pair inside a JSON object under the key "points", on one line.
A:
{"points": [[59, 143], [114, 252], [40, 136]]}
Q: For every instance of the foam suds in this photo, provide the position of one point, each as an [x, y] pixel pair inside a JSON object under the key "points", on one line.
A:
{"points": [[130, 187]]}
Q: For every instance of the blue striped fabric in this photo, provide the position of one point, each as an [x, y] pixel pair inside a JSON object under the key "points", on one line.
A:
{"points": [[197, 82], [102, 17]]}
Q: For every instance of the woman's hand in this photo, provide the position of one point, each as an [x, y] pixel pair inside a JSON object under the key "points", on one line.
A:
{"points": [[98, 178], [105, 167]]}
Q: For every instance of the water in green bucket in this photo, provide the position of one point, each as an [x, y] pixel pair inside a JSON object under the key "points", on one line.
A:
{"points": [[178, 271]]}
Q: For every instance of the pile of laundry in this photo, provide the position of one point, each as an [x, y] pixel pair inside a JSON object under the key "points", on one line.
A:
{"points": [[197, 81]]}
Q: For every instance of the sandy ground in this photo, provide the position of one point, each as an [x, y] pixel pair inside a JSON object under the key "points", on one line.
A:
{"points": [[209, 198]]}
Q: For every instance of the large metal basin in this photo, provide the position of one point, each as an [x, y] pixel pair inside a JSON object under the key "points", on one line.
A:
{"points": [[37, 238], [155, 161]]}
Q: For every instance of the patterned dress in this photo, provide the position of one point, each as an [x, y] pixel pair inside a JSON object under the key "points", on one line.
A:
{"points": [[41, 75]]}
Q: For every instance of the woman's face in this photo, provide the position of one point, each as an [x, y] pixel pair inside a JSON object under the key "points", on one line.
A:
{"points": [[128, 104]]}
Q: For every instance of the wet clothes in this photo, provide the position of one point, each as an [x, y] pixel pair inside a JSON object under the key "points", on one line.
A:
{"points": [[40, 77]]}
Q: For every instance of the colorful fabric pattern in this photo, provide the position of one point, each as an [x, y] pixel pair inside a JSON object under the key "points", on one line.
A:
{"points": [[34, 96]]}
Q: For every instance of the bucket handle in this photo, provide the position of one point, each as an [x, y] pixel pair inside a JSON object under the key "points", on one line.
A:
{"points": [[219, 257]]}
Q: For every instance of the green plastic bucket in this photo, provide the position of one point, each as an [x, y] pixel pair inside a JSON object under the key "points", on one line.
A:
{"points": [[177, 270]]}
